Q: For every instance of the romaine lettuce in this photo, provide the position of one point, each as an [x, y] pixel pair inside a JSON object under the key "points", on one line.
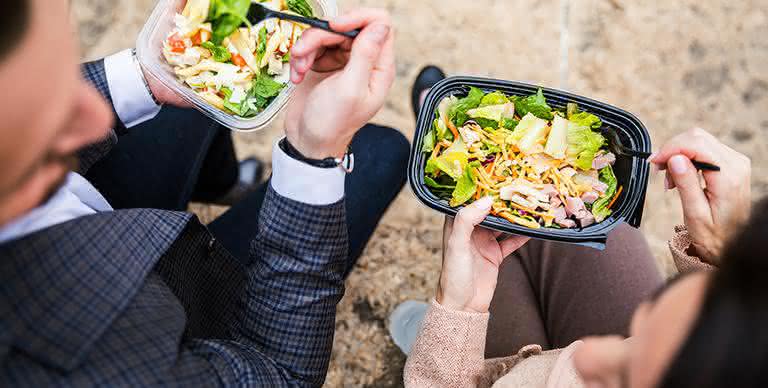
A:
{"points": [[557, 140], [600, 207], [220, 53], [495, 98], [586, 119], [429, 141], [583, 144], [466, 186], [528, 133], [458, 112], [536, 104], [453, 160]]}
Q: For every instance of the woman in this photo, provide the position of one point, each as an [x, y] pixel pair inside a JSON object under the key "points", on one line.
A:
{"points": [[687, 334]]}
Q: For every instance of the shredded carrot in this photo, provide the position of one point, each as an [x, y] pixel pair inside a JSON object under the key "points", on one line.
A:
{"points": [[453, 129], [615, 197]]}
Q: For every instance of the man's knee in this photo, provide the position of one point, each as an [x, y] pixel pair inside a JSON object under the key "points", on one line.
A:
{"points": [[389, 145]]}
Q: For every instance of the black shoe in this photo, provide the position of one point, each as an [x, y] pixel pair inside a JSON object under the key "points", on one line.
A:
{"points": [[250, 173], [427, 78]]}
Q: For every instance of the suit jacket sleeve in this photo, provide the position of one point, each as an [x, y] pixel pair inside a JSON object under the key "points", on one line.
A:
{"points": [[283, 333], [95, 74]]}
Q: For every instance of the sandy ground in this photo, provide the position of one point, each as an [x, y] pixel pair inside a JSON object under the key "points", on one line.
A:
{"points": [[673, 64]]}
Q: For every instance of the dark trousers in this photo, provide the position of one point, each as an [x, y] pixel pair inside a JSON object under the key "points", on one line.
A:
{"points": [[553, 294], [182, 155]]}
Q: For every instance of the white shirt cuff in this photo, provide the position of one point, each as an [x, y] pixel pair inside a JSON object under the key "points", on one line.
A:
{"points": [[301, 182], [132, 100]]}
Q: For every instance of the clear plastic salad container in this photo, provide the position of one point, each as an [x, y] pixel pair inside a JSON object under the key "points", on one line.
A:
{"points": [[149, 49]]}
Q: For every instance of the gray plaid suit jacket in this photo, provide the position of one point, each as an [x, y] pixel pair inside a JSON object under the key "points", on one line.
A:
{"points": [[149, 298]]}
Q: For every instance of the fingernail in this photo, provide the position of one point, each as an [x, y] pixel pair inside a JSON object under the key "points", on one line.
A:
{"points": [[299, 63], [485, 202], [294, 76], [678, 164], [379, 33], [652, 157]]}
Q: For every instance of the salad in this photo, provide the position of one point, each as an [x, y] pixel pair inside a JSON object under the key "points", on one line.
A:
{"points": [[234, 66], [544, 167]]}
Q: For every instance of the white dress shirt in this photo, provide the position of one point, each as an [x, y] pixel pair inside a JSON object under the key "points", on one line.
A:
{"points": [[134, 105]]}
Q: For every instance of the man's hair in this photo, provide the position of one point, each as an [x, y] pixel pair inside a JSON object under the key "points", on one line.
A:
{"points": [[14, 21]]}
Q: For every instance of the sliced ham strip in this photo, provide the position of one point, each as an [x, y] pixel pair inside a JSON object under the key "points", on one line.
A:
{"points": [[590, 197], [587, 220], [561, 218], [574, 206], [602, 161]]}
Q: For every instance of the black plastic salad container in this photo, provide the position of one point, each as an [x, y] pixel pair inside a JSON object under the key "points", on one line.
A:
{"points": [[632, 173]]}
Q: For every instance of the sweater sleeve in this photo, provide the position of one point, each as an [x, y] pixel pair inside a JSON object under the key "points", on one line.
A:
{"points": [[680, 246], [449, 351]]}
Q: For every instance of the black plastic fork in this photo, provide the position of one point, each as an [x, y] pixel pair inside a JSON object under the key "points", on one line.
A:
{"points": [[258, 13], [615, 145]]}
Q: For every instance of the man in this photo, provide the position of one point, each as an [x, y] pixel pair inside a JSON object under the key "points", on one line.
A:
{"points": [[91, 296]]}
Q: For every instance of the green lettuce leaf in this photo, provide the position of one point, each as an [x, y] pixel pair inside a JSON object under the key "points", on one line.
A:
{"points": [[263, 90], [237, 109], [485, 123], [529, 123], [495, 98], [437, 185], [431, 167], [458, 112], [442, 113], [466, 186], [571, 109], [536, 104], [493, 112], [220, 53], [429, 141], [600, 207], [226, 16], [509, 123], [583, 144], [301, 7], [261, 48], [586, 119], [453, 160]]}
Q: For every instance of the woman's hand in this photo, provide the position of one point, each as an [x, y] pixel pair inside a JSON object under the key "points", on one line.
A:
{"points": [[342, 83], [723, 203], [471, 259]]}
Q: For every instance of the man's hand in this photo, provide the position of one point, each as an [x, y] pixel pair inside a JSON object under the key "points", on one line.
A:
{"points": [[723, 204], [163, 94], [471, 259], [341, 83]]}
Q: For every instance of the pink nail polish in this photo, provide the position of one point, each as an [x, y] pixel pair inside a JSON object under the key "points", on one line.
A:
{"points": [[678, 164]]}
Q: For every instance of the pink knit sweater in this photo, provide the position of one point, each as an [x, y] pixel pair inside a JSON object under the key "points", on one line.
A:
{"points": [[449, 350]]}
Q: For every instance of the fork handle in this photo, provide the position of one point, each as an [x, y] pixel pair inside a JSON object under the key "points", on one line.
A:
{"points": [[314, 22], [637, 154], [704, 166]]}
